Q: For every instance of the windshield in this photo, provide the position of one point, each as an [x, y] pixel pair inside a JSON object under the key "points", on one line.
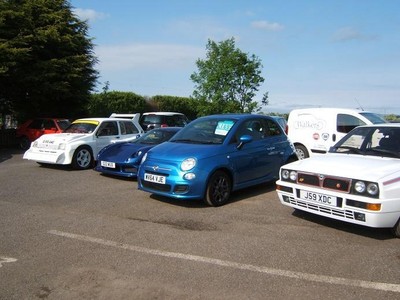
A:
{"points": [[371, 141], [374, 118], [82, 127], [205, 131], [155, 136]]}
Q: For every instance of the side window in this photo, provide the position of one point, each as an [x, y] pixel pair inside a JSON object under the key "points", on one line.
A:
{"points": [[254, 128], [271, 128], [345, 123], [48, 124], [108, 128], [36, 124], [128, 127]]}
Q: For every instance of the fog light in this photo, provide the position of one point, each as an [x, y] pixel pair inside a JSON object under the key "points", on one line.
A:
{"points": [[189, 176], [359, 216]]}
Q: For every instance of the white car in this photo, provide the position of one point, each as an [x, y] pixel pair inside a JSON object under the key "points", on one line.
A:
{"points": [[79, 144], [358, 181]]}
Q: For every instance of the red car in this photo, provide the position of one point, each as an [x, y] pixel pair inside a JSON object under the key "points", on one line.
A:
{"points": [[34, 128]]}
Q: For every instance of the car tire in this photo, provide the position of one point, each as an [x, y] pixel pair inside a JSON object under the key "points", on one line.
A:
{"points": [[396, 229], [82, 159], [24, 143], [302, 152], [218, 189]]}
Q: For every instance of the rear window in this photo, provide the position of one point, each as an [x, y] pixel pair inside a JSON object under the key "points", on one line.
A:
{"points": [[152, 119]]}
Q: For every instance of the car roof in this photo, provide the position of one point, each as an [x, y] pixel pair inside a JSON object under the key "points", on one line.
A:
{"points": [[162, 113], [102, 119], [237, 116], [328, 109], [170, 128], [390, 125]]}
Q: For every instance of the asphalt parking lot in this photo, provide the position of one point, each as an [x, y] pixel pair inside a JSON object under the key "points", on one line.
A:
{"points": [[68, 234]]}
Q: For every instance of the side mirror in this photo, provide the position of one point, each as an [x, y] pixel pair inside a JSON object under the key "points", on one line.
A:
{"points": [[244, 139]]}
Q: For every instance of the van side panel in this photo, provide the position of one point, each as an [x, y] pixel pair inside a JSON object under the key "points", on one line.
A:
{"points": [[315, 130]]}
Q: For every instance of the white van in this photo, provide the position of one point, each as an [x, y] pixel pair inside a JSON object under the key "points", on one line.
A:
{"points": [[315, 130]]}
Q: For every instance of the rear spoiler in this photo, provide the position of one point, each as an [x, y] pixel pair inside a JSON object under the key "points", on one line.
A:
{"points": [[126, 116]]}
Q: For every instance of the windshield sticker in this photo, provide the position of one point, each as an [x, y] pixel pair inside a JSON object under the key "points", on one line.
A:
{"points": [[223, 127], [86, 122]]}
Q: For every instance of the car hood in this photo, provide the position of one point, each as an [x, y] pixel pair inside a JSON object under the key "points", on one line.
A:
{"points": [[58, 138], [370, 168], [179, 151], [122, 151]]}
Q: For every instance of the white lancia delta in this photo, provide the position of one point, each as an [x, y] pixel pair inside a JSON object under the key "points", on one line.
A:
{"points": [[358, 181]]}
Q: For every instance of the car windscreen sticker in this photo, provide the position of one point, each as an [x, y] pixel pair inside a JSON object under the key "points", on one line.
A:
{"points": [[223, 127], [86, 122]]}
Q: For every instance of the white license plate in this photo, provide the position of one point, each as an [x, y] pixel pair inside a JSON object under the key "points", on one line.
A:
{"points": [[107, 164], [154, 178], [318, 198]]}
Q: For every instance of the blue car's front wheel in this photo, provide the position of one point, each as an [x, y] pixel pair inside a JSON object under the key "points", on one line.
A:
{"points": [[218, 189]]}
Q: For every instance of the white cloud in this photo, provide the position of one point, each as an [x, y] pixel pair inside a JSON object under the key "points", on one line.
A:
{"points": [[350, 33], [147, 56], [265, 25], [89, 14]]}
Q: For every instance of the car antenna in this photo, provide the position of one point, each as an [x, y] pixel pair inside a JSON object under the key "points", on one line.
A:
{"points": [[359, 105]]}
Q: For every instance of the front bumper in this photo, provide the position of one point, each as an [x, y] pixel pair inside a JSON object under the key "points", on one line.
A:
{"points": [[385, 218], [48, 156]]}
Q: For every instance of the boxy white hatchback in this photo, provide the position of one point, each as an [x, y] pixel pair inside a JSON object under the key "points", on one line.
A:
{"points": [[79, 143]]}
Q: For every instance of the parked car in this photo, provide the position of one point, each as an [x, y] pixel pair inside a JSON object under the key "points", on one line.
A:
{"points": [[151, 120], [358, 181], [34, 128], [281, 121], [314, 130], [215, 155], [123, 159], [80, 143]]}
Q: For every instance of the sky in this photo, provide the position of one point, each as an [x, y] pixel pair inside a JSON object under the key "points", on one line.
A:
{"points": [[314, 53]]}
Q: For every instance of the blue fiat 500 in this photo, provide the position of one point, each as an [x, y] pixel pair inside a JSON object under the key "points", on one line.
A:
{"points": [[215, 155]]}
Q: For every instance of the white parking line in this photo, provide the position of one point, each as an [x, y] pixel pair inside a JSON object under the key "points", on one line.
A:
{"points": [[389, 287], [6, 260]]}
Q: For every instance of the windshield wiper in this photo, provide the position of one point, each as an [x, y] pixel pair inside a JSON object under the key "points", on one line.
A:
{"points": [[351, 149], [385, 151]]}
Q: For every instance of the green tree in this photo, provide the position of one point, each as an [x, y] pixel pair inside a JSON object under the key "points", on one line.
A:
{"points": [[106, 103], [227, 80], [46, 59]]}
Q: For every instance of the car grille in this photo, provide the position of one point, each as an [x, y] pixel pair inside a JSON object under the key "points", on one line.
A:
{"points": [[156, 186], [347, 214], [323, 181]]}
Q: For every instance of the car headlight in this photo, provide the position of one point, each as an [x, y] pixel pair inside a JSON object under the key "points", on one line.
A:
{"points": [[372, 189], [35, 144], [289, 175], [188, 164], [360, 187], [285, 174], [367, 188]]}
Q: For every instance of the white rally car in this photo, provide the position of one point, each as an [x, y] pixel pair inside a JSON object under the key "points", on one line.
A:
{"points": [[358, 181], [79, 144]]}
